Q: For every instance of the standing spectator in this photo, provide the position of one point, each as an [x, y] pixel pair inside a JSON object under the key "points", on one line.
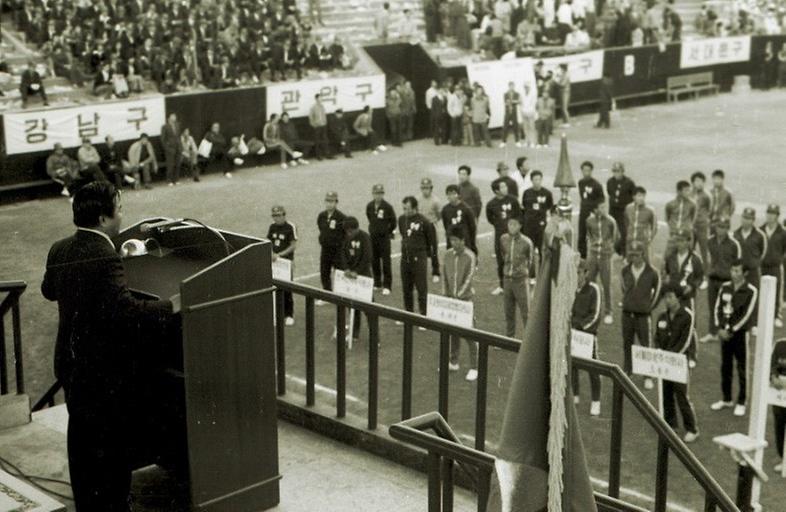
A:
{"points": [[517, 255], [407, 27], [431, 15], [481, 114], [170, 140], [142, 161], [545, 118], [528, 109], [591, 194], [382, 22], [271, 136], [772, 261], [564, 20], [674, 332], [701, 223], [190, 153], [363, 126], [537, 201], [456, 102], [381, 227], [503, 171], [733, 315], [317, 118], [393, 111], [430, 206], [502, 207], [641, 222], [283, 236], [753, 242], [620, 189], [522, 178], [339, 130], [438, 110], [102, 83], [408, 110], [585, 317], [722, 205], [418, 244], [606, 95], [640, 293], [680, 214], [602, 237], [470, 194], [218, 149], [512, 100], [577, 39], [331, 239], [63, 169], [563, 81], [31, 84], [430, 93], [455, 212], [356, 261], [112, 163], [460, 265], [723, 250], [468, 134]]}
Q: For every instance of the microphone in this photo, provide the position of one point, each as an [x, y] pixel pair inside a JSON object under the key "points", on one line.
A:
{"points": [[148, 228]]}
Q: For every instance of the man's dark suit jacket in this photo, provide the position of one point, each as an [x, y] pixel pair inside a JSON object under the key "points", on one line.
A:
{"points": [[102, 325]]}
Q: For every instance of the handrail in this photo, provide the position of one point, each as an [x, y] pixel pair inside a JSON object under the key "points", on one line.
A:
{"points": [[14, 290]]}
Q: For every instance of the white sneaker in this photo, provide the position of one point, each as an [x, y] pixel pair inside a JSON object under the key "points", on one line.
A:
{"points": [[386, 291], [778, 467], [496, 291], [576, 400], [421, 328], [755, 331], [434, 279], [778, 323], [532, 281], [501, 145], [703, 285], [472, 375], [284, 166], [739, 410], [595, 409], [649, 384], [293, 163], [708, 338], [289, 321], [518, 144], [303, 161], [382, 147], [129, 180], [608, 319], [296, 154], [720, 404], [399, 322], [64, 192], [375, 152], [319, 302], [228, 175], [691, 437], [454, 367]]}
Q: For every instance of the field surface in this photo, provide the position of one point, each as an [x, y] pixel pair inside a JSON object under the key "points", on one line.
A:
{"points": [[659, 144]]}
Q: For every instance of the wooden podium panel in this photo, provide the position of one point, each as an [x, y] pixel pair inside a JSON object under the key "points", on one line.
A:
{"points": [[229, 371]]}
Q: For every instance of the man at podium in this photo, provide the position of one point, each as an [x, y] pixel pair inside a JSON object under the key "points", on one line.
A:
{"points": [[99, 348]]}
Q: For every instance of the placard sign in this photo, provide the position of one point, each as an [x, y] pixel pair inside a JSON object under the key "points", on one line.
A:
{"points": [[39, 130], [776, 396], [358, 288], [660, 364], [350, 94], [451, 311], [582, 344], [282, 269]]}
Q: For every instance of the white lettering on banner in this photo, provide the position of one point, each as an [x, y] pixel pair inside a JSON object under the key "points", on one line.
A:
{"points": [[660, 364], [717, 50], [452, 311], [776, 396], [630, 65], [582, 344], [582, 67], [282, 269], [359, 288], [494, 76], [350, 94], [27, 132]]}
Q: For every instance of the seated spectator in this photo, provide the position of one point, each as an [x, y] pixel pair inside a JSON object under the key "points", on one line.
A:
{"points": [[62, 169], [236, 152], [102, 83], [339, 132], [527, 31], [190, 155], [31, 84], [578, 39], [288, 133], [365, 130], [218, 149], [338, 55], [271, 136], [119, 84], [142, 161], [112, 164], [89, 161]]}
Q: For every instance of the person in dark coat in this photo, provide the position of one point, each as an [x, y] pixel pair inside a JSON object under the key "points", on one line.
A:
{"points": [[356, 260], [621, 190], [99, 348], [173, 150], [331, 239], [381, 227], [606, 95], [339, 132], [31, 84]]}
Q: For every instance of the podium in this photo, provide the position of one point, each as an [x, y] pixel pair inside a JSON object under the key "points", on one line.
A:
{"points": [[215, 400]]}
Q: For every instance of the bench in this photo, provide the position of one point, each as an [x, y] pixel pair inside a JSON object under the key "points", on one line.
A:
{"points": [[690, 84]]}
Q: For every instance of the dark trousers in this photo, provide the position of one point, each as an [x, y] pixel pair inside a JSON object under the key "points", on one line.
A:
{"points": [[618, 214], [99, 460], [456, 130], [481, 132], [289, 305], [437, 129], [394, 122], [713, 287], [676, 395], [634, 325], [701, 235], [26, 92], [515, 295], [534, 231], [593, 377], [753, 275], [543, 127], [735, 349], [584, 214], [500, 257], [173, 157], [342, 146], [604, 119], [380, 261], [329, 258], [407, 126], [779, 421], [320, 142], [511, 122], [414, 276]]}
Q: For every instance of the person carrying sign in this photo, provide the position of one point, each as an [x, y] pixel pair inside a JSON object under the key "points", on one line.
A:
{"points": [[356, 260], [418, 244], [778, 381], [675, 332], [459, 270], [381, 226], [331, 237], [585, 317], [733, 313], [283, 235]]}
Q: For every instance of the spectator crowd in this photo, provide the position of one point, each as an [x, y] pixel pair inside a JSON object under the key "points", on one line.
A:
{"points": [[741, 17], [119, 46]]}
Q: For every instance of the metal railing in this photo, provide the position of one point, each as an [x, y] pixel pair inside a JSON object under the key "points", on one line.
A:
{"points": [[13, 290], [668, 441]]}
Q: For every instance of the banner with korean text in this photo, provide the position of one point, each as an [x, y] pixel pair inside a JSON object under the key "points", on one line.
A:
{"points": [[582, 67], [716, 50], [495, 75], [28, 132], [350, 94]]}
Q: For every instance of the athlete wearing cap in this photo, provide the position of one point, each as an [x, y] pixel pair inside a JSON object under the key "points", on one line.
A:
{"points": [[753, 242], [418, 244], [683, 268], [283, 235], [772, 262], [331, 238], [381, 227], [723, 250], [591, 193], [620, 189], [430, 206]]}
